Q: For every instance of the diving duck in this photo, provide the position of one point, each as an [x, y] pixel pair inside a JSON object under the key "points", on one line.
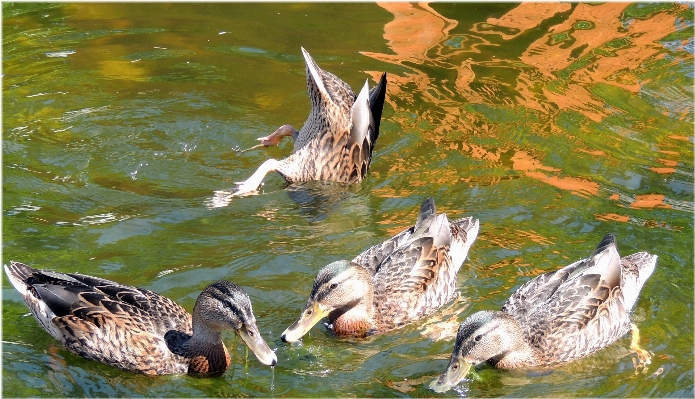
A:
{"points": [[138, 330], [556, 317], [337, 139], [393, 283]]}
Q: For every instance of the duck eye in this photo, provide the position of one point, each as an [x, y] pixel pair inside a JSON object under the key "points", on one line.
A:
{"points": [[478, 338], [309, 312], [334, 286]]}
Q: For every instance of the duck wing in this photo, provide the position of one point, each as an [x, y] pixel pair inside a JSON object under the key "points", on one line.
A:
{"points": [[416, 278], [366, 118], [331, 101], [102, 320], [372, 258], [539, 291], [576, 310], [362, 137]]}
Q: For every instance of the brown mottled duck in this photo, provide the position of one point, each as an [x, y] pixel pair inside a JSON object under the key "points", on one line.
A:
{"points": [[337, 139], [555, 318], [138, 330], [393, 283]]}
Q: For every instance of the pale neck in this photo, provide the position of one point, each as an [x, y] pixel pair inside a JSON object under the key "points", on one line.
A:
{"points": [[203, 334], [358, 320], [359, 317], [520, 353]]}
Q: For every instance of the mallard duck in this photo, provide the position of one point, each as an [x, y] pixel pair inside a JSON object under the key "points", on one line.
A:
{"points": [[557, 317], [337, 139], [135, 329], [393, 283]]}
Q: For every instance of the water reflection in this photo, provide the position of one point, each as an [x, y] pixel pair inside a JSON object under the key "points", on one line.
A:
{"points": [[592, 57], [550, 122]]}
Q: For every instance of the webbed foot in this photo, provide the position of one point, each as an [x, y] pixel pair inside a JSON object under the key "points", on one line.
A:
{"points": [[643, 356]]}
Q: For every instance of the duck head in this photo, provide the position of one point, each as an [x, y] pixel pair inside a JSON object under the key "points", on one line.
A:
{"points": [[483, 336], [341, 290], [226, 306]]}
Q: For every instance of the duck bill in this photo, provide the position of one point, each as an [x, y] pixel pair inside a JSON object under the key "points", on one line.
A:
{"points": [[311, 315], [458, 368], [252, 338]]}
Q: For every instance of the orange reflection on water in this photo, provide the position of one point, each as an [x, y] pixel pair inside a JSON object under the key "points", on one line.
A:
{"points": [[650, 224], [524, 17], [591, 43], [663, 171], [670, 164], [531, 168], [650, 201], [613, 217], [414, 29], [580, 100], [513, 238]]}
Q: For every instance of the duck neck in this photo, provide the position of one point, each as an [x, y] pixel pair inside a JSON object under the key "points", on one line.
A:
{"points": [[205, 350], [519, 351], [203, 334], [356, 319]]}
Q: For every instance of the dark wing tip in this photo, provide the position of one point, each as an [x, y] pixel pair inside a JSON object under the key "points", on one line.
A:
{"points": [[20, 270], [427, 209], [377, 96], [607, 241]]}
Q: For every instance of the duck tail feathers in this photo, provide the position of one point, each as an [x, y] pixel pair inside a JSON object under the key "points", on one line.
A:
{"points": [[608, 240], [426, 216], [431, 224], [604, 261], [314, 73], [18, 274], [361, 118], [636, 269]]}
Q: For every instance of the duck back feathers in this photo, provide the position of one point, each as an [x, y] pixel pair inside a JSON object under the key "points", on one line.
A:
{"points": [[135, 329], [582, 307], [414, 272], [338, 137]]}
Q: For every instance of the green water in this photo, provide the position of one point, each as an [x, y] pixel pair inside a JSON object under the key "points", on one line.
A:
{"points": [[554, 124]]}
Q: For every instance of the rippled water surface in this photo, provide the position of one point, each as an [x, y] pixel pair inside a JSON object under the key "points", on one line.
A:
{"points": [[554, 124]]}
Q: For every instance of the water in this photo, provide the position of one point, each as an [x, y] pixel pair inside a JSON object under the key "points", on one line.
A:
{"points": [[554, 124]]}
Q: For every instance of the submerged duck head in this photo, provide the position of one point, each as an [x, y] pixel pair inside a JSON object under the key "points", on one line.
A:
{"points": [[224, 305], [341, 288]]}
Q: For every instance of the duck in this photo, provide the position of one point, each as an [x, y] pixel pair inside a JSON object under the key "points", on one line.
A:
{"points": [[400, 280], [556, 317], [135, 329], [337, 139]]}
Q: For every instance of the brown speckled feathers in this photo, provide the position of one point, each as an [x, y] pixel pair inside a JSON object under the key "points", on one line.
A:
{"points": [[393, 283], [567, 314], [338, 137], [136, 329]]}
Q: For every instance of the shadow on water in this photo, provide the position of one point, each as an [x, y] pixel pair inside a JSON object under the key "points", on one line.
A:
{"points": [[318, 199]]}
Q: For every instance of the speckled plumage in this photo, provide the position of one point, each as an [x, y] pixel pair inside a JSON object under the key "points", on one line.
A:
{"points": [[556, 317], [393, 283], [136, 329], [338, 137]]}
